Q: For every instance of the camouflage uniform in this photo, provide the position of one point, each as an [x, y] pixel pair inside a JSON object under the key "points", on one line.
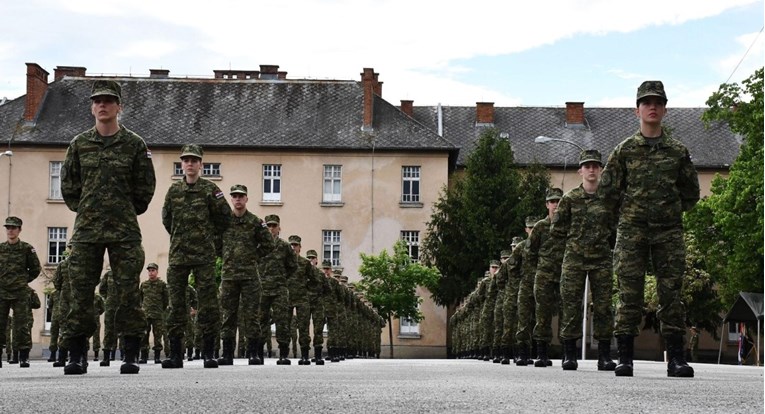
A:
{"points": [[297, 285], [34, 303], [331, 310], [526, 303], [511, 275], [188, 330], [62, 285], [317, 290], [55, 317], [155, 298], [95, 338], [548, 253], [108, 291], [487, 314]]}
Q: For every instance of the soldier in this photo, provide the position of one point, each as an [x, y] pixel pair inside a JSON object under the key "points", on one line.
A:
{"points": [[62, 285], [98, 306], [275, 268], [651, 180], [547, 252], [19, 265], [196, 215], [53, 302], [526, 304], [188, 331], [586, 225], [317, 289], [331, 306], [487, 313], [107, 178], [108, 291], [510, 275], [155, 299], [245, 242], [298, 294], [34, 303]]}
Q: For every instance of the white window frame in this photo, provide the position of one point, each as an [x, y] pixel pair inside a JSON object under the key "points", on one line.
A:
{"points": [[408, 327], [56, 244], [332, 183], [54, 172], [272, 178], [177, 169], [330, 246], [410, 183], [211, 169], [412, 239]]}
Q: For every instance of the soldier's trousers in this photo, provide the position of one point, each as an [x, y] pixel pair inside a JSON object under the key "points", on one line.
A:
{"points": [[189, 336], [318, 318], [54, 325], [21, 334], [95, 339], [573, 274], [547, 298], [635, 244], [526, 310], [85, 263], [302, 321], [110, 332], [330, 314], [487, 322], [510, 313], [240, 305], [157, 327], [275, 304], [208, 314], [499, 320]]}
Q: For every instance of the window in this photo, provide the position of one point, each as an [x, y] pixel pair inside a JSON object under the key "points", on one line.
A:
{"points": [[210, 169], [333, 185], [733, 329], [177, 170], [272, 182], [411, 184], [412, 239], [56, 244], [407, 326], [331, 246], [48, 313], [55, 180]]}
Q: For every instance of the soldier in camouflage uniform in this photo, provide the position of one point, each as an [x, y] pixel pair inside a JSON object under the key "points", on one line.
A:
{"points": [[62, 286], [586, 224], [155, 298], [330, 311], [275, 268], [34, 303], [509, 278], [188, 330], [95, 338], [19, 265], [547, 252], [525, 303], [54, 324], [195, 214], [299, 301], [317, 290], [108, 291], [500, 279], [487, 312], [107, 178], [245, 242], [651, 180]]}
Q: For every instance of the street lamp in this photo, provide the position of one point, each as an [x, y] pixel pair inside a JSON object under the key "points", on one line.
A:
{"points": [[8, 153], [543, 139]]}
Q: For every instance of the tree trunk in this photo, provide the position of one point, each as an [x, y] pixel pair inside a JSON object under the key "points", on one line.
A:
{"points": [[390, 336]]}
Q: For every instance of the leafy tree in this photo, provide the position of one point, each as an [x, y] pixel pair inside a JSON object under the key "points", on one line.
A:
{"points": [[729, 224], [477, 217], [390, 283]]}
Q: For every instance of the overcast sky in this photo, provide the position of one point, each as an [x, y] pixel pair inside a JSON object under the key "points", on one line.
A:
{"points": [[541, 53]]}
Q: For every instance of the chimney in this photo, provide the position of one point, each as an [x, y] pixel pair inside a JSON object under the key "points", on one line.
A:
{"points": [[281, 75], [236, 74], [484, 113], [37, 85], [269, 71], [575, 113], [407, 107], [159, 73], [378, 86], [368, 84], [60, 71]]}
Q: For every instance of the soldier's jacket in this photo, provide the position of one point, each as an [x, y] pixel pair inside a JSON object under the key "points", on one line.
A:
{"points": [[155, 298], [585, 223], [650, 185], [195, 216], [332, 300], [544, 251], [19, 265], [58, 277], [301, 278], [245, 242], [108, 183], [277, 266], [318, 285]]}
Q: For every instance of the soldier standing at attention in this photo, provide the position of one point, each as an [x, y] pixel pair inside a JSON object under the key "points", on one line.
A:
{"points": [[195, 214], [526, 319], [108, 179], [298, 292], [245, 242], [317, 289], [19, 265], [510, 273], [108, 291], [651, 180], [276, 267], [587, 225], [155, 299]]}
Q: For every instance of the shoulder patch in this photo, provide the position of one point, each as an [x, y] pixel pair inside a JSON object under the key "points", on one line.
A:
{"points": [[218, 193], [33, 250], [148, 153]]}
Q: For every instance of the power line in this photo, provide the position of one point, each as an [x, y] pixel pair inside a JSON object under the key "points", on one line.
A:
{"points": [[746, 53]]}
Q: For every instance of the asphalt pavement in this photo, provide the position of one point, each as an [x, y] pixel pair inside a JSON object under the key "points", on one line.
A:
{"points": [[380, 386]]}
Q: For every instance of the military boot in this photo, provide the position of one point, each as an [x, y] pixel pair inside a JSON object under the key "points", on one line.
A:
{"points": [[107, 357], [208, 351], [677, 366], [317, 355], [95, 355], [569, 355], [190, 353], [52, 357], [24, 358], [252, 349], [228, 352], [523, 355], [197, 353], [497, 356], [132, 347], [304, 360], [76, 352], [284, 353], [61, 360], [157, 360], [542, 355], [625, 344], [176, 354], [507, 353], [144, 355], [15, 357], [605, 363]]}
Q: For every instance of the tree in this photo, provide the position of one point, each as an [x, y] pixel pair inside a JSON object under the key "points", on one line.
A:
{"points": [[390, 283], [728, 224], [477, 218]]}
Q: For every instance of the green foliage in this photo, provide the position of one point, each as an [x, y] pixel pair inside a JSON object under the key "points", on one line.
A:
{"points": [[478, 217], [390, 282]]}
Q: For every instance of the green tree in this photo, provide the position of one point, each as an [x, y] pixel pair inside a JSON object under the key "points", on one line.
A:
{"points": [[477, 217], [729, 223], [390, 284]]}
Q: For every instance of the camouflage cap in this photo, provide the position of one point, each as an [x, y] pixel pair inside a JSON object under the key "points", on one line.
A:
{"points": [[504, 253], [326, 264], [554, 194], [343, 278], [152, 266], [651, 88], [590, 155], [192, 150], [311, 254], [494, 263], [238, 189], [516, 241], [531, 221], [106, 87], [13, 221], [294, 239], [272, 219]]}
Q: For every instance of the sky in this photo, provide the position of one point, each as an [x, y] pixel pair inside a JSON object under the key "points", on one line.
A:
{"points": [[512, 53]]}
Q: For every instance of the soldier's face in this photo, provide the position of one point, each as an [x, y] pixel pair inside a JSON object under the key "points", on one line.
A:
{"points": [[192, 166], [239, 201], [651, 110], [493, 269], [502, 259], [590, 171], [153, 273], [105, 108], [314, 261], [295, 248], [528, 230], [551, 206], [12, 232], [274, 229]]}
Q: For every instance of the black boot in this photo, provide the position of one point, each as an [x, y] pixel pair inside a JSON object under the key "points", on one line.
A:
{"points": [[228, 352], [333, 355], [208, 352], [107, 358], [569, 355], [497, 356], [61, 360], [625, 344], [132, 347], [176, 354], [190, 354], [24, 358], [76, 352], [677, 366], [144, 355], [95, 355], [157, 360], [52, 357], [284, 353], [15, 358], [605, 363], [542, 355], [304, 357], [252, 349], [523, 355], [113, 355], [317, 355]]}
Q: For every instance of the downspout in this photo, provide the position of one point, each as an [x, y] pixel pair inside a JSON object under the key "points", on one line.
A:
{"points": [[373, 196], [440, 114]]}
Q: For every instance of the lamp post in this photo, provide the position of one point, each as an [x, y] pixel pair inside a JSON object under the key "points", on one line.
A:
{"points": [[542, 140], [8, 153]]}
